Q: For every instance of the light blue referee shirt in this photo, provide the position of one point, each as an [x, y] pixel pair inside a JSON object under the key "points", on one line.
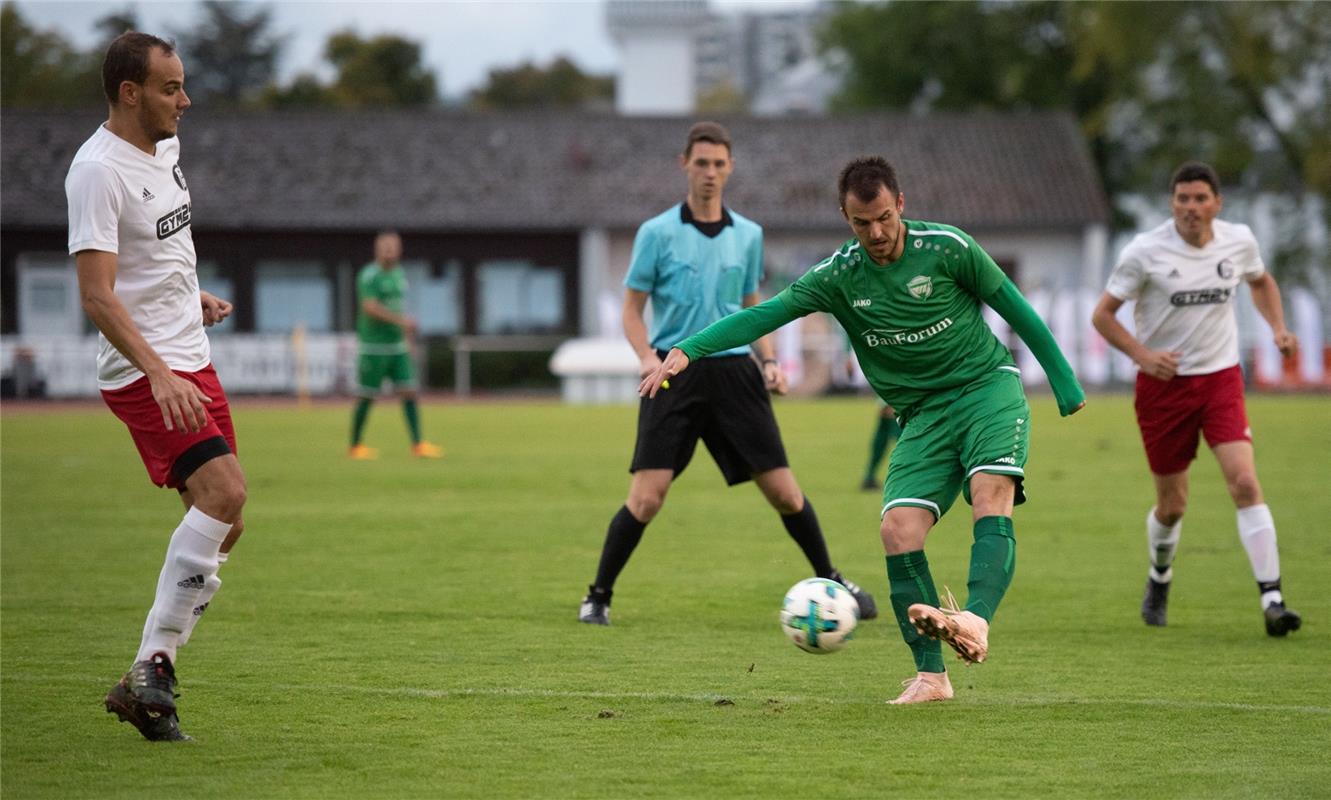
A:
{"points": [[694, 278]]}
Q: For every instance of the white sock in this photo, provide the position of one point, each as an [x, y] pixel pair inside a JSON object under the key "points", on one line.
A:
{"points": [[1162, 541], [1257, 530], [191, 558], [210, 586]]}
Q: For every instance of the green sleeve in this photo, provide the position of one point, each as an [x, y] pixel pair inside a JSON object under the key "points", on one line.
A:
{"points": [[1011, 306], [740, 328], [976, 270]]}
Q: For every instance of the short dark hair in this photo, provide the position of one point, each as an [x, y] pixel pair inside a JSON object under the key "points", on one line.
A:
{"points": [[866, 177], [127, 60], [1190, 171], [707, 132]]}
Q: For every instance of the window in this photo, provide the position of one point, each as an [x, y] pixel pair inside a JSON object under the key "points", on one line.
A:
{"points": [[212, 280], [288, 293], [435, 302], [518, 297]]}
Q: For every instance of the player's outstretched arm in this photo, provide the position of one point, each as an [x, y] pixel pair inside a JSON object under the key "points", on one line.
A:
{"points": [[675, 362], [1012, 307]]}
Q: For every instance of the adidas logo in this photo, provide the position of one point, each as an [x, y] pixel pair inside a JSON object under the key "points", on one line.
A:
{"points": [[147, 195], [192, 582], [198, 610], [1174, 273]]}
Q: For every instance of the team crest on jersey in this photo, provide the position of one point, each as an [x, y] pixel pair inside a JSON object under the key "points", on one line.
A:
{"points": [[1224, 269], [921, 286], [179, 175]]}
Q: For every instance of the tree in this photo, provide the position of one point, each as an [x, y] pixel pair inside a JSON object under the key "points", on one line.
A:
{"points": [[40, 69], [1243, 85], [379, 72], [560, 85], [230, 56], [304, 92], [114, 24]]}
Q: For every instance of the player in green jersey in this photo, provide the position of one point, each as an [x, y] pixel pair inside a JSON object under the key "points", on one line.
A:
{"points": [[885, 431], [385, 354], [908, 293]]}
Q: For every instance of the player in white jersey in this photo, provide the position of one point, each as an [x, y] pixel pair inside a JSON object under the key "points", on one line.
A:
{"points": [[129, 233], [1183, 276]]}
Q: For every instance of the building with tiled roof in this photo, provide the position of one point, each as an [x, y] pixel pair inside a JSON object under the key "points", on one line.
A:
{"points": [[523, 223]]}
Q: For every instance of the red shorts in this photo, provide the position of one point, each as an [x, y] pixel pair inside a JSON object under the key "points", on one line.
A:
{"points": [[1171, 414], [162, 449]]}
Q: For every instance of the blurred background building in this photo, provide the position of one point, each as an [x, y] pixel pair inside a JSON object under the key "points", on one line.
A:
{"points": [[518, 202]]}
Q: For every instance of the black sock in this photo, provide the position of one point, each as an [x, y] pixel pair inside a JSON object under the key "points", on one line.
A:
{"points": [[803, 528], [620, 539]]}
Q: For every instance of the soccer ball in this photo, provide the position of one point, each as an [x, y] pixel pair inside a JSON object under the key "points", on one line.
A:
{"points": [[819, 615]]}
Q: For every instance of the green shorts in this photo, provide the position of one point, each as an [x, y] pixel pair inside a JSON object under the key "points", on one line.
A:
{"points": [[981, 427], [396, 368]]}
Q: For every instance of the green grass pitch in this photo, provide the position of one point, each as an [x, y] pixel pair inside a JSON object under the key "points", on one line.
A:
{"points": [[406, 628]]}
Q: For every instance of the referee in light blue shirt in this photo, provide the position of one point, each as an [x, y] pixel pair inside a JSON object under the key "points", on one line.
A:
{"points": [[698, 262]]}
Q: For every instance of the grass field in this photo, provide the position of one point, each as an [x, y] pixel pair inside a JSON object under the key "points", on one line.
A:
{"points": [[406, 628]]}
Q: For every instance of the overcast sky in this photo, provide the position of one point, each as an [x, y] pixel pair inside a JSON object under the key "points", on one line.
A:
{"points": [[462, 40]]}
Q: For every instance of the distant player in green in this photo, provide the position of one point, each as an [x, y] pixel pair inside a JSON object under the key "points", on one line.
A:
{"points": [[886, 429], [908, 293], [382, 330]]}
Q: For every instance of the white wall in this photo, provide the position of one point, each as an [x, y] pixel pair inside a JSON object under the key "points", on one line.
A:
{"points": [[656, 73]]}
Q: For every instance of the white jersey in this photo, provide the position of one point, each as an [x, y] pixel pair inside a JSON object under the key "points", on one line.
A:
{"points": [[124, 201], [1185, 294]]}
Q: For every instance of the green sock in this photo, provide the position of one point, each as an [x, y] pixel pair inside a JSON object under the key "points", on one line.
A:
{"points": [[908, 575], [413, 419], [883, 435], [993, 557], [358, 418]]}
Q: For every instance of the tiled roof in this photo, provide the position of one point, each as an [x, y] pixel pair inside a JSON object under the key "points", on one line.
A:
{"points": [[449, 171]]}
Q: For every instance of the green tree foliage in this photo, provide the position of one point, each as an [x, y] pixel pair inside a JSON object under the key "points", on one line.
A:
{"points": [[560, 85], [304, 92], [381, 72], [1245, 85], [40, 69], [230, 55]]}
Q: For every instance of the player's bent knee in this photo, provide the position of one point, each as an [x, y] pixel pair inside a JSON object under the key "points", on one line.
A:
{"points": [[788, 503], [903, 531], [1246, 490]]}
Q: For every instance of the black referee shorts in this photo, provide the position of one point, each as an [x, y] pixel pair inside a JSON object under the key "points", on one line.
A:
{"points": [[721, 400]]}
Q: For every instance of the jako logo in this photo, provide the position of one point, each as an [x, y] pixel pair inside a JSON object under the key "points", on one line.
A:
{"points": [[889, 338], [863, 303]]}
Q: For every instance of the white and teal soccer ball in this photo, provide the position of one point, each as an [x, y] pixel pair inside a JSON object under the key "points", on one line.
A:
{"points": [[819, 615]]}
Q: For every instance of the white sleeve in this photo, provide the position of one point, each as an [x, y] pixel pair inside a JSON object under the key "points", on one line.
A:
{"points": [[1250, 264], [1125, 282], [94, 199]]}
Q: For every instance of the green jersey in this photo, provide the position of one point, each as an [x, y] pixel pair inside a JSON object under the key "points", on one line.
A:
{"points": [[915, 324], [388, 287]]}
